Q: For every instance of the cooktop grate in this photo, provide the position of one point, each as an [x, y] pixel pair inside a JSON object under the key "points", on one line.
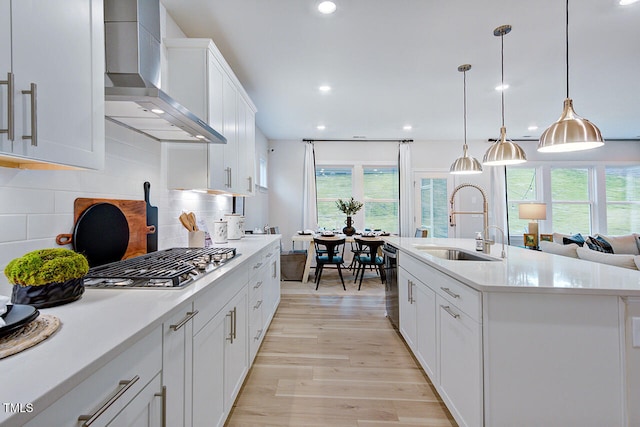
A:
{"points": [[168, 264]]}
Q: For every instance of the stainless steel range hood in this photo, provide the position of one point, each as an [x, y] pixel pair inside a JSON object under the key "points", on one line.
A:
{"points": [[132, 97]]}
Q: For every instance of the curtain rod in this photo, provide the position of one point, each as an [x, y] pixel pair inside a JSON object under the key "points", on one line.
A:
{"points": [[350, 140]]}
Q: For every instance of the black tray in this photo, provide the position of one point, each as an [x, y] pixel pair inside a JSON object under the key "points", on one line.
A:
{"points": [[18, 316]]}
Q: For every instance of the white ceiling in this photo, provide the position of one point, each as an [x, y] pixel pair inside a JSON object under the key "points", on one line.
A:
{"points": [[394, 62]]}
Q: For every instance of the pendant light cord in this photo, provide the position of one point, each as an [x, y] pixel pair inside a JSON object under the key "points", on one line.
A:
{"points": [[566, 34], [464, 91], [502, 69]]}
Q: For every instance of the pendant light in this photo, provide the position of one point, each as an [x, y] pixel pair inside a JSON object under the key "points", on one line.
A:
{"points": [[503, 151], [466, 164], [570, 132]]}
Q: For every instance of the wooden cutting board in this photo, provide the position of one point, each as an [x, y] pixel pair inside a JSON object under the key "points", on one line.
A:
{"points": [[136, 213]]}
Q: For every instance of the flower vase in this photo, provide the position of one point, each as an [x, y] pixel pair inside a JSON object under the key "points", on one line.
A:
{"points": [[349, 230]]}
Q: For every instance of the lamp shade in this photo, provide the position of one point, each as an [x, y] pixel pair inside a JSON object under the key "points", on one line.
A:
{"points": [[504, 152], [570, 133], [465, 165], [532, 211]]}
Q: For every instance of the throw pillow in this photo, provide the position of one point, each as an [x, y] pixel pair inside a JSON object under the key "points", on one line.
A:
{"points": [[576, 238], [636, 259], [559, 249], [625, 244], [599, 244], [626, 261]]}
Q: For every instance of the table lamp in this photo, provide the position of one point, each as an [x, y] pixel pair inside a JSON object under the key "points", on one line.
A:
{"points": [[533, 212]]}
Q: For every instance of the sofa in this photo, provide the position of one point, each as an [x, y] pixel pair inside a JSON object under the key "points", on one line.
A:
{"points": [[621, 251]]}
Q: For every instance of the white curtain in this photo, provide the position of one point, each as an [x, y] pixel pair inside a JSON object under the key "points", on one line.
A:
{"points": [[498, 199], [406, 195], [309, 209]]}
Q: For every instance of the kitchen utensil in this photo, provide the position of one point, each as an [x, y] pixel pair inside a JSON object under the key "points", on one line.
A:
{"points": [[192, 220], [152, 220], [185, 221], [196, 239], [135, 213]]}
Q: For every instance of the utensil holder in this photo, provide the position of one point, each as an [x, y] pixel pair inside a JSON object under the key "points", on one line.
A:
{"points": [[196, 239]]}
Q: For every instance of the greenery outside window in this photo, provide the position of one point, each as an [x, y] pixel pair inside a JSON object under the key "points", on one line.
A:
{"points": [[521, 188], [332, 183], [623, 199], [381, 198], [571, 203]]}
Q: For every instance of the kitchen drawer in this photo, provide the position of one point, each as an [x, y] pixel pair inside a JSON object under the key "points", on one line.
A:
{"points": [[256, 329], [106, 388], [462, 296], [256, 285], [216, 296], [465, 298]]}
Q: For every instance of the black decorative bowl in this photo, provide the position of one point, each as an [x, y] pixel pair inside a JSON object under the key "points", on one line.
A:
{"points": [[49, 295]]}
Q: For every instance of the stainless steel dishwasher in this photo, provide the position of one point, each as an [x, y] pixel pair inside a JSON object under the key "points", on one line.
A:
{"points": [[391, 284]]}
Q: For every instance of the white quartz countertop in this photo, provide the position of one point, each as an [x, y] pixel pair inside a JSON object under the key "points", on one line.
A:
{"points": [[94, 329], [524, 270]]}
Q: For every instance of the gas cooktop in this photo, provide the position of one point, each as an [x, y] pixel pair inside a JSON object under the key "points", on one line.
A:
{"points": [[169, 268]]}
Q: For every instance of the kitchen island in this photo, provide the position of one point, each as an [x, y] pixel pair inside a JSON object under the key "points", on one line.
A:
{"points": [[532, 339], [186, 350]]}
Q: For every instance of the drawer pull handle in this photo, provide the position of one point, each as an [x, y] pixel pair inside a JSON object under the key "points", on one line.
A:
{"points": [[232, 333], [257, 285], [447, 290], [448, 310], [10, 107], [258, 304], [258, 335], [190, 315], [126, 385], [163, 395], [258, 265], [33, 92]]}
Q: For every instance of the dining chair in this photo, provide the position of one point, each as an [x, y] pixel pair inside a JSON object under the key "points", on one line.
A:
{"points": [[369, 257], [421, 232], [329, 251]]}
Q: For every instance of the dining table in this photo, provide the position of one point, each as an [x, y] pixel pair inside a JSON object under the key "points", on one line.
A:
{"points": [[307, 239]]}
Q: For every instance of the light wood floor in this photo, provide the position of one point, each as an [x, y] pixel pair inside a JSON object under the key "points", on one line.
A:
{"points": [[331, 358]]}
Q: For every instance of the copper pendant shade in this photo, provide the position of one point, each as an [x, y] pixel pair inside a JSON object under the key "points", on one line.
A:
{"points": [[465, 165], [570, 132], [503, 151]]}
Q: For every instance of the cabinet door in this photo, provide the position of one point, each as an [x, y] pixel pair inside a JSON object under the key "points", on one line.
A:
{"points": [[460, 363], [246, 146], [407, 308], [5, 67], [426, 328], [208, 372], [230, 131], [145, 410], [177, 366], [236, 351], [218, 177], [59, 48]]}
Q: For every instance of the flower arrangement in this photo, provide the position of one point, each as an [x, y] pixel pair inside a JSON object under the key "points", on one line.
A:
{"points": [[349, 207]]}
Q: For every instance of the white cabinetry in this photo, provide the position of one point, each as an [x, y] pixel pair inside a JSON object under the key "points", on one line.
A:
{"points": [[202, 81], [440, 320], [117, 394], [220, 348], [53, 53], [177, 365]]}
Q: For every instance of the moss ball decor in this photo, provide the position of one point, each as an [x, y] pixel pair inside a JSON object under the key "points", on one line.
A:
{"points": [[47, 277]]}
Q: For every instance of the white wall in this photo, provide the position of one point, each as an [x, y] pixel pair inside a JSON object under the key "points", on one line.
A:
{"points": [[256, 208]]}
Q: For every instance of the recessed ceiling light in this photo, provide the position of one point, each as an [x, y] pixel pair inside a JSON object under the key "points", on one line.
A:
{"points": [[324, 88], [502, 87], [407, 127], [627, 2], [200, 136], [327, 7], [321, 127], [157, 111], [532, 127]]}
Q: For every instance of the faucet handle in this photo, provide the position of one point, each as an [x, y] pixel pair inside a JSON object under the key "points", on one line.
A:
{"points": [[490, 241]]}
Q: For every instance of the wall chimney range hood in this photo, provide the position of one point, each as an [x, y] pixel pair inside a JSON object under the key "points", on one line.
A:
{"points": [[132, 97]]}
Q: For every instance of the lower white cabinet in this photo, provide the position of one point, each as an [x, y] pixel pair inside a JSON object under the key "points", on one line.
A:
{"points": [[115, 395], [426, 315], [408, 311], [460, 363]]}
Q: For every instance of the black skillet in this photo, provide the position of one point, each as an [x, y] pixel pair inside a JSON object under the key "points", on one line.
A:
{"points": [[101, 233]]}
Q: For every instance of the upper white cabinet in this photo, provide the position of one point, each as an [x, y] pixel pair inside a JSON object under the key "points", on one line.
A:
{"points": [[200, 79], [52, 96]]}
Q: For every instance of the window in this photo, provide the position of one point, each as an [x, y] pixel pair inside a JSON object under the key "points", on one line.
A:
{"points": [[432, 203], [262, 173], [375, 186], [332, 183], [570, 200], [623, 199], [381, 198], [521, 187]]}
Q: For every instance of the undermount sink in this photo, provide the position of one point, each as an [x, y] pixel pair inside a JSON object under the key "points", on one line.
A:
{"points": [[454, 254]]}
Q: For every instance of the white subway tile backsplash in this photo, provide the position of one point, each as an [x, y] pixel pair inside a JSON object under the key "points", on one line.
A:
{"points": [[48, 226], [14, 228], [24, 200]]}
